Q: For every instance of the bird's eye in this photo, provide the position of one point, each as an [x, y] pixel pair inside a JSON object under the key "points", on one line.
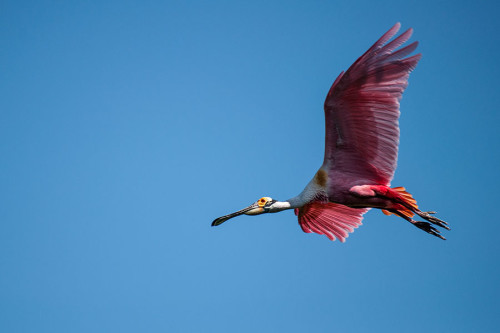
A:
{"points": [[262, 202]]}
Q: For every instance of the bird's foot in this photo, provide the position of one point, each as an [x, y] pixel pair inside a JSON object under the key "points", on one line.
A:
{"points": [[434, 220], [427, 227]]}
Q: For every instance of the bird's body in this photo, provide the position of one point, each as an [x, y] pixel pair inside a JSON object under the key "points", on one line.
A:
{"points": [[361, 147]]}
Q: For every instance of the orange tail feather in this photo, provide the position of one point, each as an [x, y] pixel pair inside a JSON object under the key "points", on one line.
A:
{"points": [[408, 199]]}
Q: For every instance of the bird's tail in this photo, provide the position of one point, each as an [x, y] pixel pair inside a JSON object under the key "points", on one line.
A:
{"points": [[407, 198]]}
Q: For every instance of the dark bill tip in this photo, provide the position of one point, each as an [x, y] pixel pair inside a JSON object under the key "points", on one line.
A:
{"points": [[218, 221]]}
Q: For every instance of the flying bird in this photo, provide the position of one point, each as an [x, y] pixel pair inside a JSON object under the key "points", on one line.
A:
{"points": [[361, 148]]}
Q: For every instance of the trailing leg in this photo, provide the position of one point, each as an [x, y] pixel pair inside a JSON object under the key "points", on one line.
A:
{"points": [[432, 219], [399, 202], [409, 206], [425, 226]]}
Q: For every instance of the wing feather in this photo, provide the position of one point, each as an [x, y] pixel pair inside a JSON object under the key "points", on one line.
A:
{"points": [[333, 220], [362, 110]]}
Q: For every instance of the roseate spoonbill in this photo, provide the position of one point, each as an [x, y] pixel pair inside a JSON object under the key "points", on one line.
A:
{"points": [[361, 148]]}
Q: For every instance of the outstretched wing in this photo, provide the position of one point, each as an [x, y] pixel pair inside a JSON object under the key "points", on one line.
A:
{"points": [[330, 219], [362, 110]]}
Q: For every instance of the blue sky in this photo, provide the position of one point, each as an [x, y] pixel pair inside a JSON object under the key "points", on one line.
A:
{"points": [[128, 126]]}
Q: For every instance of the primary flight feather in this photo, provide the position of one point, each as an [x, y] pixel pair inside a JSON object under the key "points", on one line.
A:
{"points": [[361, 148]]}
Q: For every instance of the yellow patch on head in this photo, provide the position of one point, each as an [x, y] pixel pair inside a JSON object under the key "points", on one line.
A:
{"points": [[262, 201]]}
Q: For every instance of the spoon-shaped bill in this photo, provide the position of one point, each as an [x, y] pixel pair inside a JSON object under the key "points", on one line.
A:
{"points": [[253, 209]]}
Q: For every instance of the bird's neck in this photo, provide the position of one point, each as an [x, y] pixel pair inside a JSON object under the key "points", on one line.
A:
{"points": [[292, 203], [296, 202], [308, 194], [278, 206]]}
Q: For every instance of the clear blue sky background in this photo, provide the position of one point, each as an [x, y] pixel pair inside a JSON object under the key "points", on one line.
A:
{"points": [[128, 126]]}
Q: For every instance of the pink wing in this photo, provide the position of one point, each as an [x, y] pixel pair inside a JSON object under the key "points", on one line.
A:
{"points": [[362, 110], [330, 219]]}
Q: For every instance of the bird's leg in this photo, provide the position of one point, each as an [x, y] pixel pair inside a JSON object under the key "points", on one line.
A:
{"points": [[431, 219], [398, 201], [425, 215], [401, 197], [425, 226]]}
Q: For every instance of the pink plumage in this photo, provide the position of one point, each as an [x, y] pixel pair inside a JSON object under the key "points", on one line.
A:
{"points": [[330, 219], [362, 111], [361, 148]]}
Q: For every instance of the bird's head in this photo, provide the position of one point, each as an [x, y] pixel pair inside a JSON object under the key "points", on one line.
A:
{"points": [[263, 205]]}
